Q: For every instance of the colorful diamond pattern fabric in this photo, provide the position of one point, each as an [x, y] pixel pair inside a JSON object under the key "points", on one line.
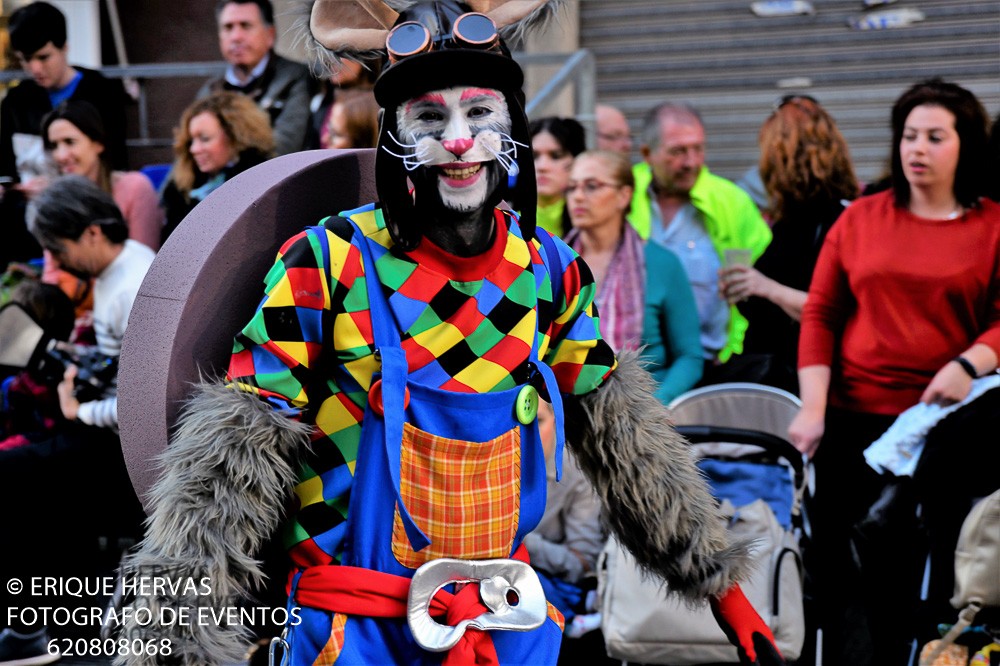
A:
{"points": [[466, 326]]}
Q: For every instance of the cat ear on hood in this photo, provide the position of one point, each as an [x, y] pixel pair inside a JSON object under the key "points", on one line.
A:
{"points": [[515, 18], [357, 29], [505, 12], [352, 29]]}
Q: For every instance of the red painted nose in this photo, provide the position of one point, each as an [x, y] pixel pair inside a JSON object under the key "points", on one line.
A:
{"points": [[457, 147]]}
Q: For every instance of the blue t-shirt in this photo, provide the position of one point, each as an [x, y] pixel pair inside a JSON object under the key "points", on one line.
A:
{"points": [[57, 97], [686, 237]]}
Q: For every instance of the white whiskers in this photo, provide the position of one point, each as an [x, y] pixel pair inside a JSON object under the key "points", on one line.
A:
{"points": [[502, 157], [410, 162], [506, 155]]}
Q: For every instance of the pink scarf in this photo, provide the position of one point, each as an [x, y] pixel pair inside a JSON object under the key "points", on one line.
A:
{"points": [[621, 297]]}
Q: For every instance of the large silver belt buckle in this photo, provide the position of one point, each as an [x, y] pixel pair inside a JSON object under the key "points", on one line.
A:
{"points": [[500, 581]]}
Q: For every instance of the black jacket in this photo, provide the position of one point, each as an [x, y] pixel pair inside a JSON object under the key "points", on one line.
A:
{"points": [[177, 204], [283, 90]]}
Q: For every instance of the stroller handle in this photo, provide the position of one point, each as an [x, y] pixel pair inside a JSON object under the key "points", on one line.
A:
{"points": [[699, 434]]}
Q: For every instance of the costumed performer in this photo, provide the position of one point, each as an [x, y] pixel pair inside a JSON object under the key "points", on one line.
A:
{"points": [[389, 384]]}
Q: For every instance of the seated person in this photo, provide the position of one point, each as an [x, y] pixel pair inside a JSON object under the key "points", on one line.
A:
{"points": [[29, 405], [38, 39], [219, 137], [67, 498], [279, 86], [75, 139], [565, 545], [349, 75], [353, 121]]}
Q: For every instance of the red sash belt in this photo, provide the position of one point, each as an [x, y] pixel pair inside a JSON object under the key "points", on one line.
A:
{"points": [[368, 593]]}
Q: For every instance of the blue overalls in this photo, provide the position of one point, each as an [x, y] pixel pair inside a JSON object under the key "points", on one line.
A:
{"points": [[439, 474]]}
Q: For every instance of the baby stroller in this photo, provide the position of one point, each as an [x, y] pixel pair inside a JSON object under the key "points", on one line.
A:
{"points": [[738, 432]]}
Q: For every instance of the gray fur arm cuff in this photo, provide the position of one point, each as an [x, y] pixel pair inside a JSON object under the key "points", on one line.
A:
{"points": [[654, 498], [227, 476]]}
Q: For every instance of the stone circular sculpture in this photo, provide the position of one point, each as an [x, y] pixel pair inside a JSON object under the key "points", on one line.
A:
{"points": [[207, 280]]}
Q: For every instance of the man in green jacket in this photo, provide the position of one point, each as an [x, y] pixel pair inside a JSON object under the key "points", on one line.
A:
{"points": [[679, 204]]}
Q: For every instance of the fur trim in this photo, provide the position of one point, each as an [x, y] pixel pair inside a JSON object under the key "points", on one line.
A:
{"points": [[227, 478], [655, 499]]}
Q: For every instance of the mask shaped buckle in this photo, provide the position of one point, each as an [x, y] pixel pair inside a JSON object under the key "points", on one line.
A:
{"points": [[509, 588]]}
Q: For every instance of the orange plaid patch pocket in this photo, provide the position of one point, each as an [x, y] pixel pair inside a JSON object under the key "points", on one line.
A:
{"points": [[465, 496], [331, 651]]}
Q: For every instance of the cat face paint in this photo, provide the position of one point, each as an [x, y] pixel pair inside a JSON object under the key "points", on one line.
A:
{"points": [[459, 138]]}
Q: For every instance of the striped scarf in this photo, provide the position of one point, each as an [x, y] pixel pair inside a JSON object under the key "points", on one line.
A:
{"points": [[621, 295]]}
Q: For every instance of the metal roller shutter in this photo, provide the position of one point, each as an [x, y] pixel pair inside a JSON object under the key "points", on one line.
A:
{"points": [[732, 65]]}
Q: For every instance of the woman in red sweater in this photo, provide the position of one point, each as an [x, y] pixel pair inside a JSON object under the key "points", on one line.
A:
{"points": [[904, 307]]}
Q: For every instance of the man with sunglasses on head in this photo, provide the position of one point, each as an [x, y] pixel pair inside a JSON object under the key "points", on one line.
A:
{"points": [[410, 341], [280, 86], [681, 205]]}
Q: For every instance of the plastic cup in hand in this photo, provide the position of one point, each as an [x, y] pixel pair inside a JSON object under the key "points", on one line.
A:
{"points": [[737, 256], [734, 256]]}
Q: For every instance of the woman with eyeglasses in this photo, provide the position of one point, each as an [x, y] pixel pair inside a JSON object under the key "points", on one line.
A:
{"points": [[554, 142], [806, 170], [643, 294], [903, 310]]}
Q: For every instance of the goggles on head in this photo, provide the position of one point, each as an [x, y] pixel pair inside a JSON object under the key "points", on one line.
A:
{"points": [[471, 30]]}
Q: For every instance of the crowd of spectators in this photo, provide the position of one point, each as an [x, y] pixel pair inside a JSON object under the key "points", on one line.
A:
{"points": [[861, 299]]}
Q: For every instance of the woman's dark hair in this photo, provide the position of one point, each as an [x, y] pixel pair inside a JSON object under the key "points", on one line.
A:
{"points": [[571, 136], [567, 131], [85, 117], [67, 207], [971, 123]]}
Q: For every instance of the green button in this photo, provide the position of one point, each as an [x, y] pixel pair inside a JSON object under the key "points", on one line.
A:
{"points": [[526, 405]]}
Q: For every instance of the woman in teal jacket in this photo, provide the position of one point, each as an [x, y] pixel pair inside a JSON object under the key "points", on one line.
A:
{"points": [[643, 294], [670, 328]]}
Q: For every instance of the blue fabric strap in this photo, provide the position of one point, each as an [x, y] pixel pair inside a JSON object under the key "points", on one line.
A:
{"points": [[550, 259], [394, 371]]}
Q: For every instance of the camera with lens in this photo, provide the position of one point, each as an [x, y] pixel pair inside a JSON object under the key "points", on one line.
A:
{"points": [[26, 346], [96, 372]]}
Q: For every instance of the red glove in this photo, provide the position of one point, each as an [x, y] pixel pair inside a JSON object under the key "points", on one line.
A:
{"points": [[745, 629]]}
